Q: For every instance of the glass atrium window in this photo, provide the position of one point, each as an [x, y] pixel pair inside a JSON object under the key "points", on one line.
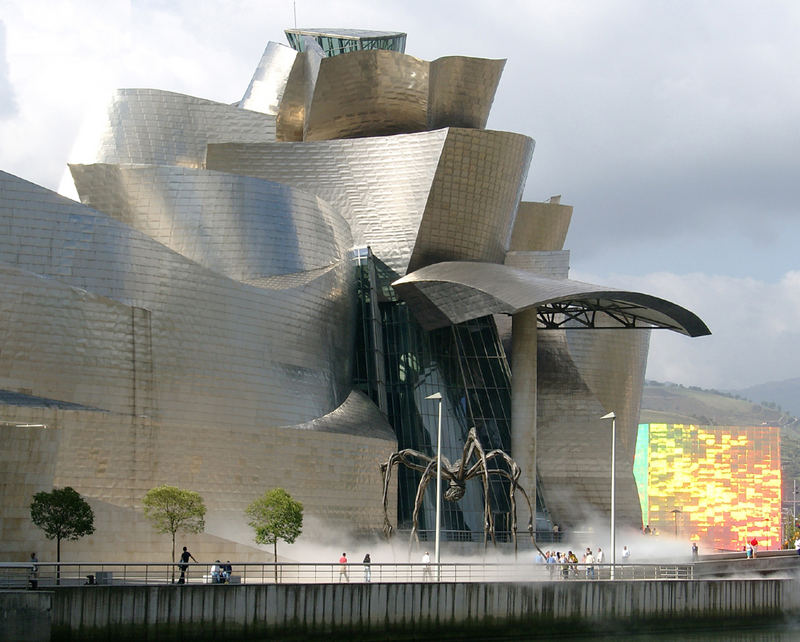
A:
{"points": [[338, 41]]}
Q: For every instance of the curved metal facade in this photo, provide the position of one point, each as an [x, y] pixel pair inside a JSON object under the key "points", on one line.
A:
{"points": [[266, 88], [459, 291], [370, 93], [199, 319], [415, 199], [234, 225], [461, 91], [157, 127]]}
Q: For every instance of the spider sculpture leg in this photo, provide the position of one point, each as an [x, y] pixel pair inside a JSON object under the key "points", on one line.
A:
{"points": [[513, 477], [406, 457], [480, 469]]}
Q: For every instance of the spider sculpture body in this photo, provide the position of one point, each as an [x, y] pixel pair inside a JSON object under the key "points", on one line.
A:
{"points": [[474, 463]]}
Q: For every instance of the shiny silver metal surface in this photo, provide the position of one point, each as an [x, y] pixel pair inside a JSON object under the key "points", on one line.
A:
{"points": [[163, 128], [368, 93], [474, 196], [413, 198], [193, 316], [381, 92], [380, 185], [540, 227], [242, 227], [297, 93], [582, 375], [461, 291], [265, 91], [461, 91]]}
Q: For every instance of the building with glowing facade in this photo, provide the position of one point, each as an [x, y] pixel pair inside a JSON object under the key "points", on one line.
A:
{"points": [[264, 293], [717, 485]]}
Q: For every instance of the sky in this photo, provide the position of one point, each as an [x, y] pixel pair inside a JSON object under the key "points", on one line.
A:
{"points": [[670, 126]]}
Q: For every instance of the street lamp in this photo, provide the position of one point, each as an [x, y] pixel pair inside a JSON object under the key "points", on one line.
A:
{"points": [[613, 417], [675, 512], [438, 397]]}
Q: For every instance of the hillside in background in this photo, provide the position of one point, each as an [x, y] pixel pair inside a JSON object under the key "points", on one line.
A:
{"points": [[784, 394], [677, 404]]}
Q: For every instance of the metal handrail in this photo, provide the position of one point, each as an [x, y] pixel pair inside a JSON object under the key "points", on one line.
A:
{"points": [[50, 574]]}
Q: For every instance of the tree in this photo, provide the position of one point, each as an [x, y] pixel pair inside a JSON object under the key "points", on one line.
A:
{"points": [[62, 514], [172, 509], [275, 515]]}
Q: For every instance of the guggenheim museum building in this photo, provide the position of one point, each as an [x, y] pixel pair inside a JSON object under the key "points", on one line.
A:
{"points": [[234, 297]]}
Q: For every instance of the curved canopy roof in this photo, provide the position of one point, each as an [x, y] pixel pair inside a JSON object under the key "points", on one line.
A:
{"points": [[457, 291]]}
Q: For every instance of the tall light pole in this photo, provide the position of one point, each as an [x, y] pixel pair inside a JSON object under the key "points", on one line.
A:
{"points": [[613, 417], [675, 512], [438, 396]]}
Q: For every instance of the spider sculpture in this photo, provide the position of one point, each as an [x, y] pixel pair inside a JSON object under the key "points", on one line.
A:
{"points": [[457, 475]]}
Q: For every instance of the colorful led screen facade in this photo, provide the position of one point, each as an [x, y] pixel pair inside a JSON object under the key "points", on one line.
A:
{"points": [[719, 485]]}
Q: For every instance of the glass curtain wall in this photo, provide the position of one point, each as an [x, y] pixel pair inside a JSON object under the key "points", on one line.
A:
{"points": [[334, 45], [467, 365]]}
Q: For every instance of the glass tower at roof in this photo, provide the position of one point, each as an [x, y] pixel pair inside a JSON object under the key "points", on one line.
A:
{"points": [[339, 41]]}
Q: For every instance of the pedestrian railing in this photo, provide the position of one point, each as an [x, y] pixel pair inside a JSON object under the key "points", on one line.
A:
{"points": [[47, 574]]}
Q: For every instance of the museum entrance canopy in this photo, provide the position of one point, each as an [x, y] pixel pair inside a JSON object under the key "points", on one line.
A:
{"points": [[339, 41], [457, 291]]}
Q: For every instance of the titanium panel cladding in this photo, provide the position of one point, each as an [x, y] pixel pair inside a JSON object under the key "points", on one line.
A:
{"points": [[368, 93], [283, 353], [155, 127], [573, 444], [242, 227], [461, 91], [540, 227], [265, 91], [474, 197], [379, 185]]}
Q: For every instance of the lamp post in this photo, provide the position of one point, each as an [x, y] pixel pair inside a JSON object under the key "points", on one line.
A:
{"points": [[675, 512], [438, 397], [613, 417]]}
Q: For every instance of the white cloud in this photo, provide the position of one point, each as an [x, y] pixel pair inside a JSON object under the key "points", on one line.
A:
{"points": [[755, 336]]}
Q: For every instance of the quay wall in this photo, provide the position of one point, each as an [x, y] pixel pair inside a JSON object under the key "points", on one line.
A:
{"points": [[25, 616], [364, 611]]}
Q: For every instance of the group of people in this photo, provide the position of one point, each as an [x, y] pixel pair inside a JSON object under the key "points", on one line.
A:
{"points": [[220, 573], [567, 563], [344, 574]]}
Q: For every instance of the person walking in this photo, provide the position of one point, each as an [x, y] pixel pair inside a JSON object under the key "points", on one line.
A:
{"points": [[184, 565], [34, 573], [343, 575], [367, 569], [598, 558], [626, 555], [589, 560], [426, 571], [695, 551], [552, 560], [797, 544]]}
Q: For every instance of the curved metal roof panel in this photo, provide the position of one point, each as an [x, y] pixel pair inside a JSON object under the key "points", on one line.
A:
{"points": [[456, 291]]}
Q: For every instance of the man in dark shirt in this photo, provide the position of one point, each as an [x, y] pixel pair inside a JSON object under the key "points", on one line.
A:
{"points": [[184, 565]]}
